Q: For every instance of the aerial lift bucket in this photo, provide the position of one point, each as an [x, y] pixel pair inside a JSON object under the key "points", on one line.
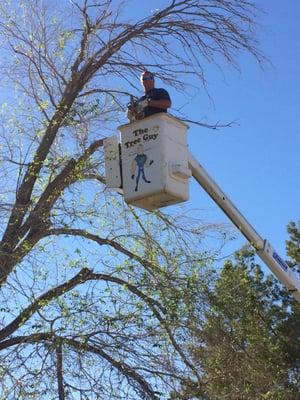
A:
{"points": [[154, 161]]}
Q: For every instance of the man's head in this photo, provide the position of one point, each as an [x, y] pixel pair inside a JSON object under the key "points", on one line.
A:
{"points": [[140, 149], [147, 80]]}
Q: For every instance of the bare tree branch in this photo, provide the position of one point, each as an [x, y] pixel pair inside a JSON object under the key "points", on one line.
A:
{"points": [[59, 366], [122, 367]]}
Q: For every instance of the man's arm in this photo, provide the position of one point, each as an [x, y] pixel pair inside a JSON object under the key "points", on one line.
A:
{"points": [[162, 103], [161, 99]]}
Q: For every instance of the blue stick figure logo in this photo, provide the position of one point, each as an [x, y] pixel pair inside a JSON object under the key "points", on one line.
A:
{"points": [[139, 161]]}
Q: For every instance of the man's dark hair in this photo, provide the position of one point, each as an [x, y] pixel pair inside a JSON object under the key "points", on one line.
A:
{"points": [[147, 72]]}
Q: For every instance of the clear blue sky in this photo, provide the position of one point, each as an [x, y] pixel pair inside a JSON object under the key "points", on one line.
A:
{"points": [[256, 162]]}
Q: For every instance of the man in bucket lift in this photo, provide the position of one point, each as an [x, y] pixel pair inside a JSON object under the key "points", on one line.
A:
{"points": [[153, 101]]}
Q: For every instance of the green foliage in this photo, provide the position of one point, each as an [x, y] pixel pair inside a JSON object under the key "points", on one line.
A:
{"points": [[293, 244], [249, 344]]}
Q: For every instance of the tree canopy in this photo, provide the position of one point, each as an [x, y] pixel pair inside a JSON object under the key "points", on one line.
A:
{"points": [[98, 300]]}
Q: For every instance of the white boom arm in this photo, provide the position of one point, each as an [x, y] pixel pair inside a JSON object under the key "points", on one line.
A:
{"points": [[263, 248]]}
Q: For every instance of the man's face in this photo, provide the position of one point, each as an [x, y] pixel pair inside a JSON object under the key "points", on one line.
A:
{"points": [[140, 149], [148, 81]]}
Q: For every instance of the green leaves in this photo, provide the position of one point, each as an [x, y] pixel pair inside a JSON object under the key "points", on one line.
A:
{"points": [[64, 37], [293, 244], [249, 343]]}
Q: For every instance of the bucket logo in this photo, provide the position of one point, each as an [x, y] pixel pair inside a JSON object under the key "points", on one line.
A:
{"points": [[145, 135], [139, 162]]}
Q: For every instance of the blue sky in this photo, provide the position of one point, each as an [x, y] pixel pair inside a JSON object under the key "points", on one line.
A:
{"points": [[255, 162]]}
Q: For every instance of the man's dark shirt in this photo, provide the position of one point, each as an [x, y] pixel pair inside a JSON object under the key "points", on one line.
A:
{"points": [[155, 94], [140, 160]]}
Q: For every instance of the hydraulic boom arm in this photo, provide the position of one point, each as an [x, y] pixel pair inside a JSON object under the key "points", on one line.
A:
{"points": [[263, 248]]}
